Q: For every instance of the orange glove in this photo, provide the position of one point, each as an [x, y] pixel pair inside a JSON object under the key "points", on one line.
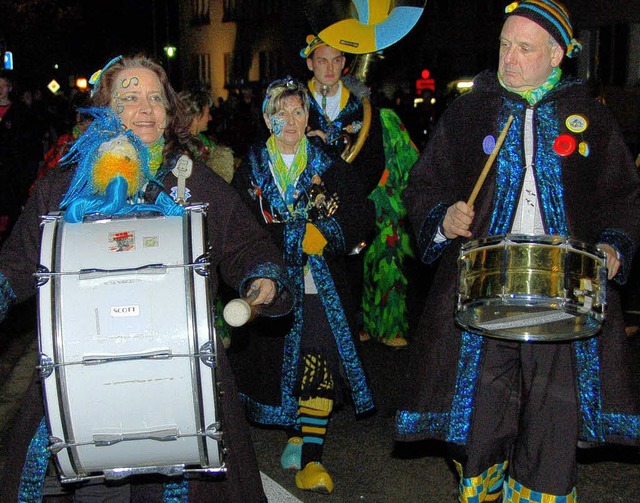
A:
{"points": [[313, 242]]}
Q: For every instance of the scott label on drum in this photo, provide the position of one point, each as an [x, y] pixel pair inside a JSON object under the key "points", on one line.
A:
{"points": [[124, 311]]}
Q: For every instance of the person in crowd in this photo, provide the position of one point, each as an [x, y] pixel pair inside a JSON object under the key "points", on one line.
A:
{"points": [[217, 157], [314, 207], [249, 117], [20, 151], [198, 103], [631, 300], [336, 110], [40, 117], [337, 114], [217, 125], [385, 309], [5, 89], [5, 163], [237, 120], [137, 89], [512, 411], [66, 138], [631, 292]]}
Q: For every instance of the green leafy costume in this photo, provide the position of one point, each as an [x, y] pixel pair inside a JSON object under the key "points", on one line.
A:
{"points": [[385, 285]]}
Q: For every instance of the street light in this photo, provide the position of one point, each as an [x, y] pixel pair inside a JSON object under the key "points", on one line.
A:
{"points": [[170, 52]]}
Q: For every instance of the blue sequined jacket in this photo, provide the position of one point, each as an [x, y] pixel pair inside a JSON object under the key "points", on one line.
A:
{"points": [[592, 198], [370, 162], [343, 231]]}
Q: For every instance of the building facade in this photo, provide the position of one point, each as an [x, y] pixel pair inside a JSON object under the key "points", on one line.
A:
{"points": [[231, 45]]}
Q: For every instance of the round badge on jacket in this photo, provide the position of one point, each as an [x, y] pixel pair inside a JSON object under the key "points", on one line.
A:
{"points": [[576, 123], [564, 145]]}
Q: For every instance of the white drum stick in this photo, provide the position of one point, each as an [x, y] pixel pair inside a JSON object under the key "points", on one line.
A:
{"points": [[240, 311], [489, 163]]}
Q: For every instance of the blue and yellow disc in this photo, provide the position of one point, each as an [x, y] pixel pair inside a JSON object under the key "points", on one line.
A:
{"points": [[379, 24]]}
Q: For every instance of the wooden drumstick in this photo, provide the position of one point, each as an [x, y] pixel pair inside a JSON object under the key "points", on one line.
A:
{"points": [[240, 311], [487, 165]]}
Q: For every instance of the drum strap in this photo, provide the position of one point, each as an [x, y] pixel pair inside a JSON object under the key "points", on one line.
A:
{"points": [[182, 171]]}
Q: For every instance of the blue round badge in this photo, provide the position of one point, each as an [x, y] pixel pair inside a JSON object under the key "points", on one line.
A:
{"points": [[488, 144]]}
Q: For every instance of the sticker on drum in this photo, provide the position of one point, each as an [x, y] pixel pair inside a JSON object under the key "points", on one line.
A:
{"points": [[531, 288], [122, 241]]}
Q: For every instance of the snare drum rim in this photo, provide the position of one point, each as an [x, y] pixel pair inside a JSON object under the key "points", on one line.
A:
{"points": [[466, 307], [542, 239], [531, 300]]}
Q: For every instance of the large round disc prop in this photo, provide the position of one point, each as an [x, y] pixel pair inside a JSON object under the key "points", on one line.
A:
{"points": [[363, 26]]}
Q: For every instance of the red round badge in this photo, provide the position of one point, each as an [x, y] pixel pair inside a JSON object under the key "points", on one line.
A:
{"points": [[564, 145]]}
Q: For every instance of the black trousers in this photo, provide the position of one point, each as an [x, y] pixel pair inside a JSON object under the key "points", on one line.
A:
{"points": [[526, 413]]}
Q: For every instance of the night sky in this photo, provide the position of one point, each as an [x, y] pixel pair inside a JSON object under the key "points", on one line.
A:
{"points": [[77, 36]]}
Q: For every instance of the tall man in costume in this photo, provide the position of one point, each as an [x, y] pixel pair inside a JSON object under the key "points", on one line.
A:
{"points": [[336, 113], [336, 109], [513, 412]]}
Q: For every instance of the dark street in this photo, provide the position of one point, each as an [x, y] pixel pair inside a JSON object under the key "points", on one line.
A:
{"points": [[367, 466], [360, 454]]}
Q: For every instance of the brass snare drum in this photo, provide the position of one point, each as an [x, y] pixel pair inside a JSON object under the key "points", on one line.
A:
{"points": [[531, 288]]}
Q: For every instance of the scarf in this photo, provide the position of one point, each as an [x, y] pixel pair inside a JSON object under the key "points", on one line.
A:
{"points": [[155, 155], [532, 96], [286, 176]]}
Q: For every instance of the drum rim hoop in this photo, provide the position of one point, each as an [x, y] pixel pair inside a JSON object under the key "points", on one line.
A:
{"points": [[505, 240]]}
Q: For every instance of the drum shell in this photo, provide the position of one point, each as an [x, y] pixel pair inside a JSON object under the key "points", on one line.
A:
{"points": [[127, 346], [508, 281]]}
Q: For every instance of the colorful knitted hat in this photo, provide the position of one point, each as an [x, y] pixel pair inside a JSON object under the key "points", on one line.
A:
{"points": [[553, 17]]}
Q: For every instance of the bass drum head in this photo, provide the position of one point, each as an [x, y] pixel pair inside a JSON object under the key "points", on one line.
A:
{"points": [[127, 334]]}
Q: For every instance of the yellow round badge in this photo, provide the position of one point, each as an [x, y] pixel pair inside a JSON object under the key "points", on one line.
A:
{"points": [[576, 123], [583, 148]]}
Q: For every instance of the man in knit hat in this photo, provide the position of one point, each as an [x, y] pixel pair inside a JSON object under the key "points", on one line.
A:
{"points": [[513, 411]]}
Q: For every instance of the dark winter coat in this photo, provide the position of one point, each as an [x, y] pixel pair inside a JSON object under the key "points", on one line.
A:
{"points": [[343, 231], [591, 198], [240, 249]]}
